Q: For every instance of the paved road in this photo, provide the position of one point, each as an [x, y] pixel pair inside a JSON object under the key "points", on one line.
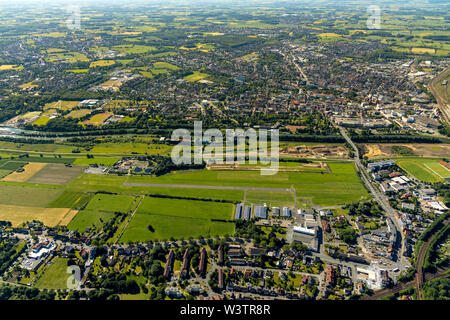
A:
{"points": [[381, 199], [193, 186]]}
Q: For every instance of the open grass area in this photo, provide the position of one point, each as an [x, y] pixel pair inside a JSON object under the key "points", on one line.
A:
{"points": [[89, 219], [160, 218], [110, 203], [166, 227], [101, 63], [98, 161], [61, 105], [196, 76], [272, 198], [55, 275], [340, 186], [186, 208], [76, 114]]}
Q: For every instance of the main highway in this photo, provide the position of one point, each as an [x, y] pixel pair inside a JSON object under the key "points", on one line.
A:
{"points": [[380, 198]]}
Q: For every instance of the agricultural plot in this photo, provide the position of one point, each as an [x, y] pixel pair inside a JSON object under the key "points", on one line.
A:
{"points": [[134, 49], [56, 173], [18, 214], [70, 199], [25, 195], [101, 63], [30, 170], [98, 161], [4, 173], [11, 165]]}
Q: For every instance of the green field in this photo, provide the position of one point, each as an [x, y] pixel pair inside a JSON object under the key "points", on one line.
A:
{"points": [[89, 219], [185, 208], [272, 198], [438, 169], [55, 276], [110, 203], [99, 161], [340, 186], [69, 199], [196, 76], [27, 195], [166, 227], [421, 169], [178, 219]]}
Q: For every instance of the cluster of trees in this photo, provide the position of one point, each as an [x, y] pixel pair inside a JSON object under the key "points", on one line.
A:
{"points": [[8, 253], [366, 208], [394, 138], [23, 293], [165, 165], [118, 283], [438, 289], [443, 189]]}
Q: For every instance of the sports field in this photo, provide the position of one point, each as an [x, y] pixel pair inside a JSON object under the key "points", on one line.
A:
{"points": [[425, 169]]}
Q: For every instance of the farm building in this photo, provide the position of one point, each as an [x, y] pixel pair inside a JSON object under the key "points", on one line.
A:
{"points": [[247, 212], [260, 212], [286, 212], [238, 213]]}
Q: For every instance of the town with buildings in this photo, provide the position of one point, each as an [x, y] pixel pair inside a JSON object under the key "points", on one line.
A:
{"points": [[94, 207]]}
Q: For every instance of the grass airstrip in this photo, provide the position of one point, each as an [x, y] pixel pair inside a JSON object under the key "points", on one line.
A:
{"points": [[49, 191]]}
